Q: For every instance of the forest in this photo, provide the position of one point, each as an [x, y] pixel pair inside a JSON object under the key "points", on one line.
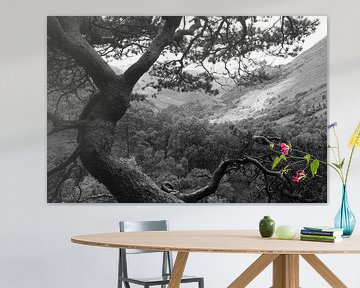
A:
{"points": [[109, 141]]}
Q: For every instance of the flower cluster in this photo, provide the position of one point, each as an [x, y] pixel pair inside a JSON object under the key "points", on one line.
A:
{"points": [[311, 163], [300, 174], [284, 148], [355, 138]]}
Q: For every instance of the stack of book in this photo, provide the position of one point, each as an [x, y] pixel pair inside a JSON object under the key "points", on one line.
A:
{"points": [[321, 234]]}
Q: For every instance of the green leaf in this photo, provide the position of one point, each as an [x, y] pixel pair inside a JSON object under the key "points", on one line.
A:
{"points": [[277, 160], [339, 166], [272, 146], [314, 166], [336, 165], [342, 163], [307, 158]]}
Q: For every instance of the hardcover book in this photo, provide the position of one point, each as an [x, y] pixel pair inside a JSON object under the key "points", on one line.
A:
{"points": [[328, 240], [321, 233]]}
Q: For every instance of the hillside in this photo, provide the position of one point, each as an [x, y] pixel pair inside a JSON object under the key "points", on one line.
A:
{"points": [[301, 85], [167, 97], [297, 87]]}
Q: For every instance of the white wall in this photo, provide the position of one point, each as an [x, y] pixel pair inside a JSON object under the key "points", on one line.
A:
{"points": [[35, 248]]}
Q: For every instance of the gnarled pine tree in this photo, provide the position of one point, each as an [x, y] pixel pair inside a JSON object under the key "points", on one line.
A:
{"points": [[84, 42]]}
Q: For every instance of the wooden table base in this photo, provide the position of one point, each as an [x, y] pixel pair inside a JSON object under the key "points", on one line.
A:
{"points": [[178, 269], [286, 271], [324, 271]]}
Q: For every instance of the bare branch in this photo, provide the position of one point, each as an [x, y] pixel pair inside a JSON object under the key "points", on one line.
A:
{"points": [[228, 165], [60, 125], [179, 34], [64, 164], [212, 186], [162, 39], [65, 33], [95, 197]]}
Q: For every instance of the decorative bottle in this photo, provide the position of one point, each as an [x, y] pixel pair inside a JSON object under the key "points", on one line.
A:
{"points": [[266, 226]]}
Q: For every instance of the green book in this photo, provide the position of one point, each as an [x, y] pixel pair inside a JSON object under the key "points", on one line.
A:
{"points": [[325, 240], [319, 236], [323, 228]]}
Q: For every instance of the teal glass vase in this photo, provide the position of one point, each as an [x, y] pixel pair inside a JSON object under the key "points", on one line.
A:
{"points": [[345, 219]]}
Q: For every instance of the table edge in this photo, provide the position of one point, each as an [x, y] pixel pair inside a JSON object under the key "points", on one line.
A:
{"points": [[205, 250]]}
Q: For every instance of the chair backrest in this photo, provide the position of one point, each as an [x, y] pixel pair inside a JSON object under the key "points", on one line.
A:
{"points": [[134, 226]]}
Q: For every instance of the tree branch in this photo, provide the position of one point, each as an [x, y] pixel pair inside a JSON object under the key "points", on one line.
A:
{"points": [[64, 164], [223, 169], [60, 125], [95, 197], [212, 186], [162, 39], [179, 34], [65, 33]]}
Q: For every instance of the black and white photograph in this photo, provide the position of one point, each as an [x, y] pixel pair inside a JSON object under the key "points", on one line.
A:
{"points": [[187, 109]]}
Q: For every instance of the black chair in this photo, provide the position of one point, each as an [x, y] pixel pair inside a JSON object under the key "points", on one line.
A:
{"points": [[167, 265]]}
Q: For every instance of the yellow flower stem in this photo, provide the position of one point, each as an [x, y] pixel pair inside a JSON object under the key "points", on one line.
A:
{"points": [[350, 159]]}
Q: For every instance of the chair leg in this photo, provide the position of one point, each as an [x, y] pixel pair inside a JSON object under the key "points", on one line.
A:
{"points": [[201, 283]]}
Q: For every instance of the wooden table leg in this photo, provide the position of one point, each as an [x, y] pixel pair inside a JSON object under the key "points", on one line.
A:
{"points": [[286, 271], [178, 270], [324, 271], [253, 270]]}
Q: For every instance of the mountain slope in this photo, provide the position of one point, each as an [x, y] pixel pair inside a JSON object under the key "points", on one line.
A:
{"points": [[301, 85], [297, 87]]}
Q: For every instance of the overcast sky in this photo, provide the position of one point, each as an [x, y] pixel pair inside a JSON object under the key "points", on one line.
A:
{"points": [[320, 33]]}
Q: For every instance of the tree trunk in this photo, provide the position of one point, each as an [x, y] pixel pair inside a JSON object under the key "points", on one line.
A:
{"points": [[124, 180]]}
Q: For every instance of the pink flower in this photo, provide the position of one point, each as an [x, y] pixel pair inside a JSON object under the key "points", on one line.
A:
{"points": [[300, 174], [284, 148]]}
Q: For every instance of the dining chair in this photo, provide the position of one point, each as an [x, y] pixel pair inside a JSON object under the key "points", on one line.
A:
{"points": [[167, 260]]}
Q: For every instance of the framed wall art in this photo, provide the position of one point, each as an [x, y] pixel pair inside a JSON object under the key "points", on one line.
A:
{"points": [[186, 109]]}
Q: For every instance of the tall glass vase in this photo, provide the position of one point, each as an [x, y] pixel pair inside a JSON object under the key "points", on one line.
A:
{"points": [[345, 219]]}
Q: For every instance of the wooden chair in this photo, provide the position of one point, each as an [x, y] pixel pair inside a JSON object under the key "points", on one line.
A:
{"points": [[167, 262]]}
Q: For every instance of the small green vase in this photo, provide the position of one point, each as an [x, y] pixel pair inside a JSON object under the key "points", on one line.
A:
{"points": [[267, 227]]}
